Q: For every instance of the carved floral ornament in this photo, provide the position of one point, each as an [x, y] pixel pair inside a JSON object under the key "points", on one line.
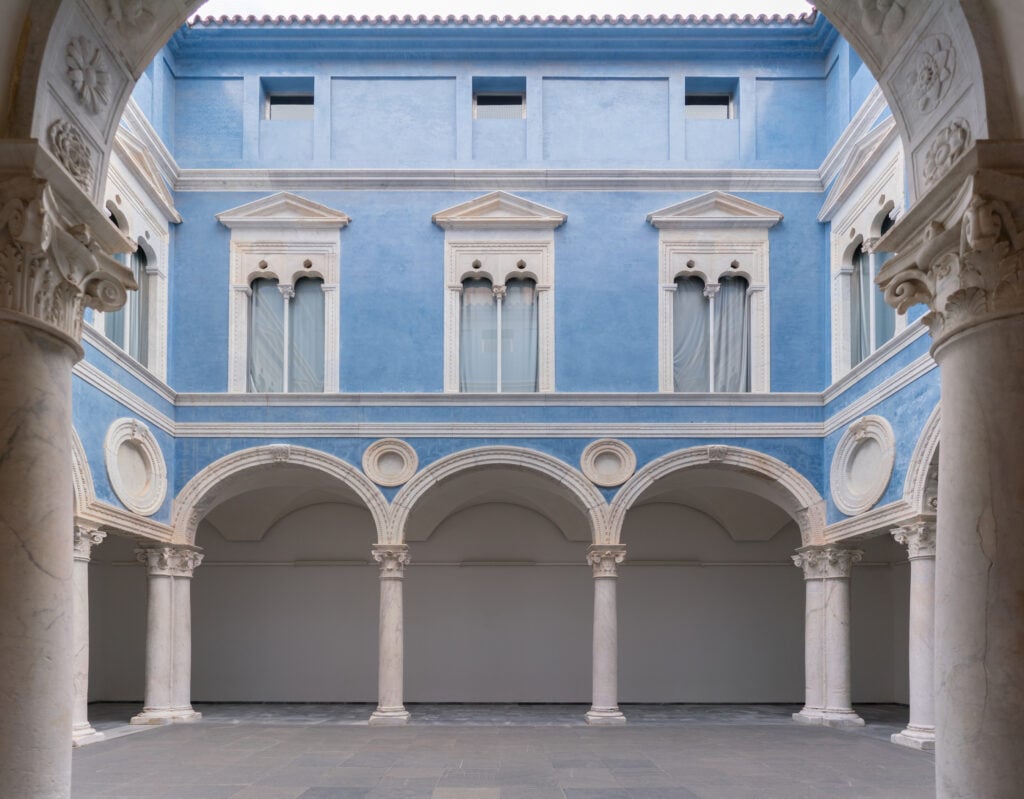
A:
{"points": [[918, 538], [393, 558], [827, 563], [67, 143], [169, 561], [945, 149], [605, 558], [85, 539], [931, 73], [88, 74]]}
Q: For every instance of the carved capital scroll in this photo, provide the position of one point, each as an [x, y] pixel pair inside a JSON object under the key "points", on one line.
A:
{"points": [[393, 558], [827, 563], [918, 538], [169, 561], [86, 538], [605, 558]]}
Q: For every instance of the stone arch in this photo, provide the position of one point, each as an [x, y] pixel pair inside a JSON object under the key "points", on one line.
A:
{"points": [[581, 491], [193, 500], [798, 497], [81, 475], [918, 489]]}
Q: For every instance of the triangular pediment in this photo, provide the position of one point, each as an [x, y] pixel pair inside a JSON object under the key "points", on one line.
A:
{"points": [[499, 209], [283, 210], [716, 209], [137, 158], [863, 156]]}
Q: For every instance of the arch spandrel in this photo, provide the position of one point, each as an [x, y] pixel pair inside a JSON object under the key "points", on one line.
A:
{"points": [[195, 499], [917, 488]]}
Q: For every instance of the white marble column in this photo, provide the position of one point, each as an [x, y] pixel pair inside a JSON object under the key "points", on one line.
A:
{"points": [[86, 538], [393, 558], [960, 251], [168, 633], [827, 636], [919, 539], [51, 267], [604, 560]]}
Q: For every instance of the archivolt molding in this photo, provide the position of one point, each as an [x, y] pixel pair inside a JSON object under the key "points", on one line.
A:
{"points": [[805, 505], [191, 503], [81, 475], [918, 489], [583, 492]]}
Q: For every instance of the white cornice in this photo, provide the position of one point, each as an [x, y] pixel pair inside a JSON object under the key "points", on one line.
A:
{"points": [[138, 159], [887, 388], [877, 521], [893, 346], [715, 210], [865, 156], [873, 105], [94, 377], [123, 521], [128, 363], [283, 210], [499, 210]]}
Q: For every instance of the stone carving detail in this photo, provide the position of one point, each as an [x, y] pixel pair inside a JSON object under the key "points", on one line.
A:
{"points": [[390, 462], [608, 462], [862, 464], [131, 16], [48, 272], [918, 538], [280, 453], [393, 558], [827, 563], [717, 453], [946, 148], [883, 17], [169, 561], [135, 466], [88, 74], [67, 144], [931, 73], [605, 558], [85, 539]]}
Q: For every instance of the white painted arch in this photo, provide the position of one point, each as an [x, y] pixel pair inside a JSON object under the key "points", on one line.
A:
{"points": [[81, 475], [915, 485], [196, 498], [796, 494]]}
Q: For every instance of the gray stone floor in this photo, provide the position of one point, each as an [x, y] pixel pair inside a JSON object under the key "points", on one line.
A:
{"points": [[499, 752]]}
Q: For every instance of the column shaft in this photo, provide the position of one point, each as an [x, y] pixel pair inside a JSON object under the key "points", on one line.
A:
{"points": [[181, 660], [82, 731], [605, 705], [837, 650], [391, 655]]}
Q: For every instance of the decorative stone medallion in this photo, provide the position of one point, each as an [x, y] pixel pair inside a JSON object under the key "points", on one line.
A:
{"points": [[135, 466], [862, 465], [608, 462], [390, 462]]}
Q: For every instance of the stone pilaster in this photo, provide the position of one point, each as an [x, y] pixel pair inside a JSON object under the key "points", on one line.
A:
{"points": [[604, 559], [827, 635], [919, 539], [85, 538], [393, 558], [960, 251], [168, 633]]}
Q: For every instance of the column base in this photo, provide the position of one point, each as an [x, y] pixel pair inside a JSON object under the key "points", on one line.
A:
{"points": [[389, 717], [82, 734], [605, 717], [828, 718], [922, 738], [154, 716]]}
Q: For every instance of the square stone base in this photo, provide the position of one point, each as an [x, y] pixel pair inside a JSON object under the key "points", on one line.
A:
{"points": [[921, 738], [85, 734], [389, 717], [600, 718], [166, 716], [828, 718]]}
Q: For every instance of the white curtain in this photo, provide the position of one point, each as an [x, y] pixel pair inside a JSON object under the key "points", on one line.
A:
{"points": [[478, 326], [266, 337], [690, 351], [732, 336], [138, 310], [860, 313], [519, 336], [306, 337]]}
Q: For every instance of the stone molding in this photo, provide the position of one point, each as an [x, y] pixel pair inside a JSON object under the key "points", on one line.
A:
{"points": [[608, 462], [393, 558], [827, 562], [920, 488], [379, 462], [86, 537], [802, 500], [918, 538], [605, 558], [169, 561], [850, 497], [147, 499], [81, 475], [91, 374]]}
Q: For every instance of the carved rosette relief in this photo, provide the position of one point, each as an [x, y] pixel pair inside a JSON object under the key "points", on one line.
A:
{"points": [[945, 150], [918, 538], [883, 17], [67, 143], [49, 272], [85, 539], [393, 558], [605, 558], [827, 563], [931, 72], [131, 16], [88, 74], [169, 561]]}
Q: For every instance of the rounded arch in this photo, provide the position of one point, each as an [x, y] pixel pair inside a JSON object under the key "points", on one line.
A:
{"points": [[193, 501], [917, 486], [81, 475], [583, 493], [800, 499]]}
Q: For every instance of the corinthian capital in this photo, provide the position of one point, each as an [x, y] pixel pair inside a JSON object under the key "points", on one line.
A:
{"points": [[605, 558], [960, 249], [918, 538], [86, 538], [393, 558], [169, 561], [51, 267], [827, 563]]}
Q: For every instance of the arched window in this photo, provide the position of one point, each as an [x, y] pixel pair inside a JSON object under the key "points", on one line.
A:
{"points": [[711, 335], [872, 321], [489, 315], [128, 327], [286, 336]]}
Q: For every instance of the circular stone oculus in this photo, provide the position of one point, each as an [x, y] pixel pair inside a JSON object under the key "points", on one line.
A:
{"points": [[862, 465], [608, 462], [135, 466], [390, 462]]}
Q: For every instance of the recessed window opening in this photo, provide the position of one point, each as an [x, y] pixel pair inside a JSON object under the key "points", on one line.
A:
{"points": [[287, 98], [709, 106], [498, 347], [286, 336], [711, 330], [499, 106]]}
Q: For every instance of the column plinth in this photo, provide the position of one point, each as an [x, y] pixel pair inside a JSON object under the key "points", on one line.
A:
{"points": [[604, 559], [86, 538], [393, 558]]}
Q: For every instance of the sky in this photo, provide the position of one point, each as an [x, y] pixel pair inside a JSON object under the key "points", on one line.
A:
{"points": [[500, 7]]}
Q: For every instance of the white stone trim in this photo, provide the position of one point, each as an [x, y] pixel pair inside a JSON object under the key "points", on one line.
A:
{"points": [[802, 500], [128, 363], [134, 433], [875, 522], [872, 107], [916, 489], [887, 388], [395, 447], [81, 475], [623, 460], [850, 498], [92, 375]]}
